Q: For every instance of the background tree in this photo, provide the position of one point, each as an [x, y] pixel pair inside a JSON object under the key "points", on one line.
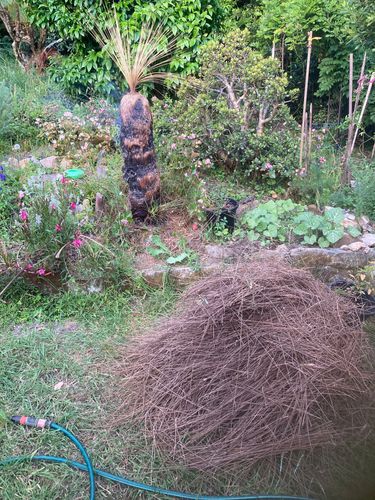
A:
{"points": [[85, 68]]}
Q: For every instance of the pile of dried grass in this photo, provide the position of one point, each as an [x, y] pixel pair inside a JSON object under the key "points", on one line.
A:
{"points": [[256, 362]]}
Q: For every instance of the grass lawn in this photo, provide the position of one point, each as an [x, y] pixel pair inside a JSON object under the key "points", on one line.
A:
{"points": [[55, 360]]}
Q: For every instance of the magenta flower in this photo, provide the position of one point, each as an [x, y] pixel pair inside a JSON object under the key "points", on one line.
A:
{"points": [[64, 180], [77, 243], [29, 267], [41, 271], [58, 228], [24, 215], [73, 205]]}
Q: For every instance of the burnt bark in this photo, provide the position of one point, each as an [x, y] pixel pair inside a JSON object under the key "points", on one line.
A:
{"points": [[137, 144]]}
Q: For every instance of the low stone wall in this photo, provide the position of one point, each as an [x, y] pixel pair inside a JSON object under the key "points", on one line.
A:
{"points": [[323, 263]]}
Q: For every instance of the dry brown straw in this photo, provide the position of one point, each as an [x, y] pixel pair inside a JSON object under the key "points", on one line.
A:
{"points": [[255, 362]]}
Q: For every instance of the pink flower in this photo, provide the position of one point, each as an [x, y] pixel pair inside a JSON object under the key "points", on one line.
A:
{"points": [[73, 205], [53, 206], [29, 267], [24, 215], [64, 180], [41, 271], [195, 226], [77, 243], [322, 159], [58, 228], [207, 161], [124, 222], [173, 146], [21, 195], [268, 166]]}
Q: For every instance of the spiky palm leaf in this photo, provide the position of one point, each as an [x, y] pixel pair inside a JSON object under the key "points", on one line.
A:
{"points": [[141, 62]]}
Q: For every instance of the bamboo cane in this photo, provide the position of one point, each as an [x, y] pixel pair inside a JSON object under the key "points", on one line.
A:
{"points": [[345, 179], [364, 106], [309, 147], [307, 77]]}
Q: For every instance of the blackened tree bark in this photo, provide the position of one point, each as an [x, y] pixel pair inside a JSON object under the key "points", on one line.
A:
{"points": [[137, 144]]}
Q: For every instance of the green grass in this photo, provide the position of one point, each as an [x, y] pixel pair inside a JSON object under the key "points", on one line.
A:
{"points": [[75, 339]]}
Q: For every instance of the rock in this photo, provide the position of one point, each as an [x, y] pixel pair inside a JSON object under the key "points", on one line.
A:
{"points": [[351, 223], [314, 209], [13, 162], [219, 251], [24, 163], [355, 246], [364, 222], [346, 240], [368, 239], [282, 250], [349, 216], [326, 263], [49, 162], [65, 163]]}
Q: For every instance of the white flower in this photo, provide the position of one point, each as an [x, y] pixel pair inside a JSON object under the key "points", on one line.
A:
{"points": [[38, 219], [16, 147]]}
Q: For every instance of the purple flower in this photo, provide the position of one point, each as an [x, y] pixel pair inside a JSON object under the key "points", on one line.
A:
{"points": [[3, 177]]}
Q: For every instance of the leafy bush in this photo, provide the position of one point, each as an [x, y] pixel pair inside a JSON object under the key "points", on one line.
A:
{"points": [[365, 192], [90, 124], [234, 116], [87, 69], [324, 230], [9, 187], [24, 97], [278, 220], [319, 182], [271, 220]]}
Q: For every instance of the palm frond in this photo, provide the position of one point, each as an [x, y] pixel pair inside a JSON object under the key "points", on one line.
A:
{"points": [[140, 61]]}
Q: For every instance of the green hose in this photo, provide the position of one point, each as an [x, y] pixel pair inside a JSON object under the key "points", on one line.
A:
{"points": [[87, 467]]}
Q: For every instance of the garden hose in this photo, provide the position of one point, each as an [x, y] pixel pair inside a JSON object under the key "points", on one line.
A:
{"points": [[87, 467]]}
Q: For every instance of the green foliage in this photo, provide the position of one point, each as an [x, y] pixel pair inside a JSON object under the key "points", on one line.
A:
{"points": [[86, 68], [23, 98], [161, 250], [271, 221], [278, 220], [324, 230], [319, 182], [365, 192], [9, 187], [233, 117]]}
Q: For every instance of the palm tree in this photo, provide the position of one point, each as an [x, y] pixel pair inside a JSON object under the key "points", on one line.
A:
{"points": [[139, 63]]}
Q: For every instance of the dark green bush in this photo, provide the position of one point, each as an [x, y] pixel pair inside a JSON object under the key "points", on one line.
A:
{"points": [[233, 117]]}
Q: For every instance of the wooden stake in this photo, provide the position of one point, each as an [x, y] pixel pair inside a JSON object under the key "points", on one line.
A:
{"points": [[345, 177], [364, 106], [307, 77], [373, 151], [309, 147], [345, 174]]}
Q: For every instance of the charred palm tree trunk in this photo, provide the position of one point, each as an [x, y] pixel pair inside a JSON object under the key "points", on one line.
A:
{"points": [[137, 144]]}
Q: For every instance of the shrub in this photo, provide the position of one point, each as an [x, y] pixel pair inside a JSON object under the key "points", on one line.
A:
{"points": [[86, 69], [9, 187], [365, 192], [271, 220], [24, 97], [279, 220], [90, 124], [235, 113]]}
